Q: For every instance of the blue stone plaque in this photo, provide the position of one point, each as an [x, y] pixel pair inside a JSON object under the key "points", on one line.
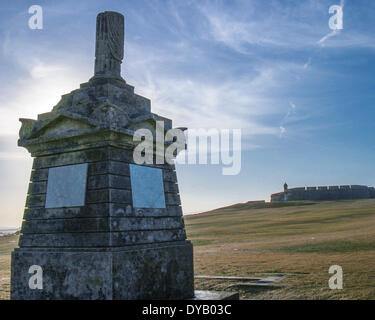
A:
{"points": [[147, 187], [66, 186]]}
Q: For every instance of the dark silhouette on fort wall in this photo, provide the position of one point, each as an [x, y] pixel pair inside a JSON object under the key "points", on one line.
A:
{"points": [[324, 193]]}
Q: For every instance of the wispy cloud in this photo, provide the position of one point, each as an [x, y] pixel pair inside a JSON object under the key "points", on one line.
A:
{"points": [[329, 35], [280, 27], [207, 100], [196, 103], [286, 118], [308, 63], [297, 29], [282, 131]]}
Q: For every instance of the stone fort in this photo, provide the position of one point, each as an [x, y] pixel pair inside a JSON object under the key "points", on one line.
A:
{"points": [[324, 193]]}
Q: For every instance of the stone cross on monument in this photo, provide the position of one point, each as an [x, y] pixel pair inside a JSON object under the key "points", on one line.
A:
{"points": [[96, 224]]}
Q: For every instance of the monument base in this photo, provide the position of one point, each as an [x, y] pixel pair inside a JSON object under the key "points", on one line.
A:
{"points": [[156, 271]]}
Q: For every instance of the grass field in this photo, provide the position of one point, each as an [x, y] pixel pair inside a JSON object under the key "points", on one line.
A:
{"points": [[7, 243], [301, 240]]}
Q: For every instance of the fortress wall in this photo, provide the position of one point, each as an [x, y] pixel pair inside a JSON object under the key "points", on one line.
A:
{"points": [[296, 194], [323, 193], [333, 193], [277, 197], [297, 189], [345, 193], [371, 192], [360, 192], [312, 194]]}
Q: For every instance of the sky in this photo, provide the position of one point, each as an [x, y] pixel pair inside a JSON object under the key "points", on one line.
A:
{"points": [[302, 95]]}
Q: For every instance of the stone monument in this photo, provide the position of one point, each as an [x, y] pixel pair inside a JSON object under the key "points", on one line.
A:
{"points": [[96, 224]]}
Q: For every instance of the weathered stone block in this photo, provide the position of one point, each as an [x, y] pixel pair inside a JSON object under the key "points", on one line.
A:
{"points": [[173, 199], [139, 272], [109, 167], [100, 239], [71, 158], [171, 187], [100, 210], [165, 273], [37, 187], [35, 200], [39, 175], [170, 175], [66, 275], [106, 224], [108, 195], [90, 210]]}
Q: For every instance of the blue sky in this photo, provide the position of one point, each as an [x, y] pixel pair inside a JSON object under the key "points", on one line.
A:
{"points": [[305, 106]]}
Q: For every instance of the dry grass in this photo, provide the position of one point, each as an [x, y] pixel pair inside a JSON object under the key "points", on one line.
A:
{"points": [[301, 240], [7, 243]]}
